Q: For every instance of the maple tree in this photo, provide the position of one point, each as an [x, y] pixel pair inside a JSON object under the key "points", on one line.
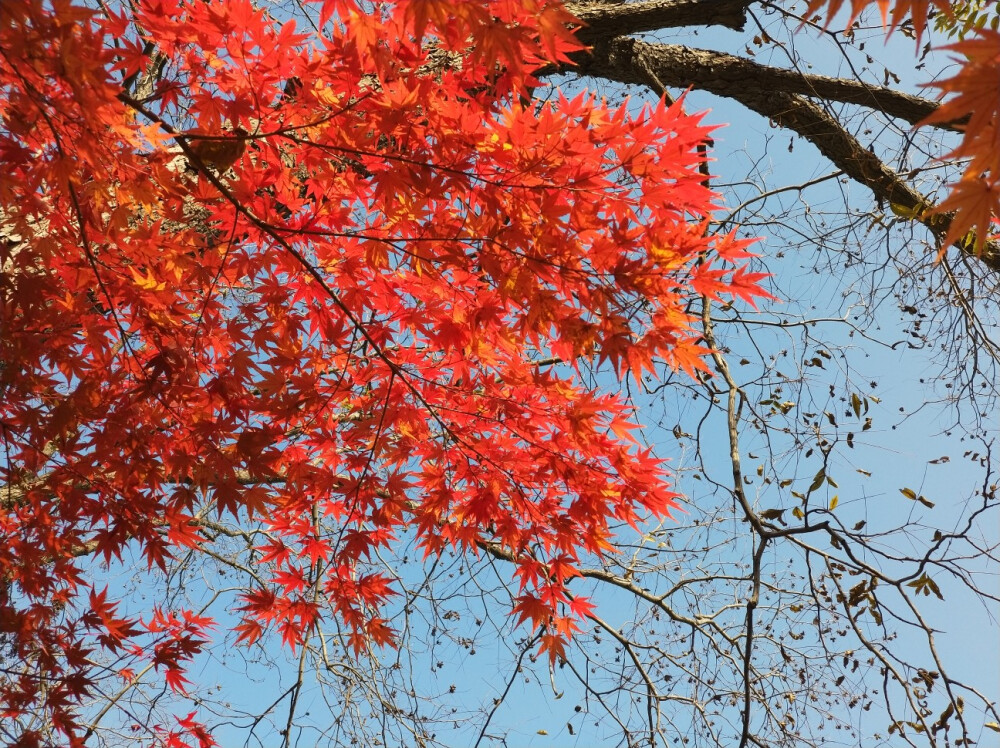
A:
{"points": [[329, 291], [359, 323]]}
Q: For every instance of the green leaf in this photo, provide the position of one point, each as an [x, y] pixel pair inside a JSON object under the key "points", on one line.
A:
{"points": [[817, 481]]}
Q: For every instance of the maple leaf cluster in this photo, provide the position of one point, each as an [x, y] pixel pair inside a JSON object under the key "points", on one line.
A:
{"points": [[372, 308]]}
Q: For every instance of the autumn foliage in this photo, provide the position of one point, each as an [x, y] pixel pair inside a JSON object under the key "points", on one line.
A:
{"points": [[254, 273], [268, 276]]}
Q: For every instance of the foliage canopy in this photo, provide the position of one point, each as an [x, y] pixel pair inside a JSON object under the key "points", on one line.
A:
{"points": [[292, 294]]}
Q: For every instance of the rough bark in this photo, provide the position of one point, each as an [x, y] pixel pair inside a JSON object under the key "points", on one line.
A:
{"points": [[605, 20], [732, 76], [781, 96]]}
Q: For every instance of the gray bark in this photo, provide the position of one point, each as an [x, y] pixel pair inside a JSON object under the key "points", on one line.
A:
{"points": [[604, 20]]}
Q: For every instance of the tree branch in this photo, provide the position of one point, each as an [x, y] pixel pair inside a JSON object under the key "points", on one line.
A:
{"points": [[766, 91], [737, 77], [607, 20]]}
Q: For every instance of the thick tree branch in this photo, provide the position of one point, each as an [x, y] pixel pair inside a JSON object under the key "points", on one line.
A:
{"points": [[605, 21], [631, 61], [737, 77]]}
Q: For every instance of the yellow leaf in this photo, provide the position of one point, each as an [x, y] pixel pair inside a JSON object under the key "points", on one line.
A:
{"points": [[147, 282], [913, 213]]}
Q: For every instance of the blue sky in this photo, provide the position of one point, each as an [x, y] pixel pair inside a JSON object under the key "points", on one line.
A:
{"points": [[835, 334]]}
